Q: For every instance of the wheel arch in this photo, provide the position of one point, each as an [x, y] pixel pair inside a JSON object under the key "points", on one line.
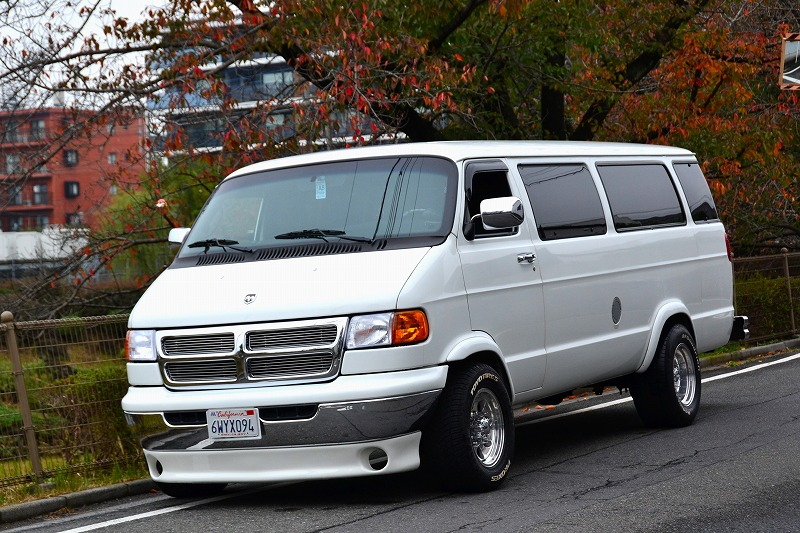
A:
{"points": [[667, 316], [481, 348]]}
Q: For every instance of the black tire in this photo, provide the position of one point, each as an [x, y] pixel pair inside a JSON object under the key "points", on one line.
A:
{"points": [[469, 441], [190, 490], [667, 394]]}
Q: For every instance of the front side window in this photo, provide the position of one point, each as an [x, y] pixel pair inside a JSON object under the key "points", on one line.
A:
{"points": [[485, 180], [565, 201], [405, 201], [641, 196]]}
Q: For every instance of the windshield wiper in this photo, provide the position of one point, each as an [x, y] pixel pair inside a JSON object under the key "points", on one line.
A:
{"points": [[320, 234], [222, 243]]}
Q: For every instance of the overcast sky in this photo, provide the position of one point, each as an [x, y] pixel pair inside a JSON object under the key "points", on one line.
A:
{"points": [[132, 9]]}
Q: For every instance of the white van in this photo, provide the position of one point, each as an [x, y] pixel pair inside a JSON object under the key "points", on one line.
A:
{"points": [[365, 311]]}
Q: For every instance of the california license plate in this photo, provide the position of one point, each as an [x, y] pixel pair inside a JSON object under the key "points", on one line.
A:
{"points": [[233, 424]]}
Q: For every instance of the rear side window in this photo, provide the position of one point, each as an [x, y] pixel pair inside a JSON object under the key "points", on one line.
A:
{"points": [[565, 201], [641, 196], [698, 195]]}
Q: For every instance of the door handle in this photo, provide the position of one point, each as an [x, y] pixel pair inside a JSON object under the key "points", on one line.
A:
{"points": [[527, 257]]}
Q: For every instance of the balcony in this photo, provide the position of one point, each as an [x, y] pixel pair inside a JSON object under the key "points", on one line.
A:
{"points": [[16, 138], [27, 201]]}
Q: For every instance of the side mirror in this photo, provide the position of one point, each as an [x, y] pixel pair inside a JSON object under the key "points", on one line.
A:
{"points": [[501, 213], [177, 235]]}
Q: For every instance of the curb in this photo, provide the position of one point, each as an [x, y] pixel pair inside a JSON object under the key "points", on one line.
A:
{"points": [[22, 511], [749, 353]]}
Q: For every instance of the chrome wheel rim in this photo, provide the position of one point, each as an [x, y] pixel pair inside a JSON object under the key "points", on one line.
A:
{"points": [[684, 375], [486, 428]]}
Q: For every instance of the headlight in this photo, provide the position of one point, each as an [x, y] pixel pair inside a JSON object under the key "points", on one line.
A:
{"points": [[387, 329], [140, 345]]}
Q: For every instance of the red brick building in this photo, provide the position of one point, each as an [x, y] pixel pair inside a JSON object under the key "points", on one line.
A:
{"points": [[39, 189]]}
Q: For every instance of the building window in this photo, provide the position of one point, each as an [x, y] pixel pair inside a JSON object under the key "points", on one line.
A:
{"points": [[37, 130], [40, 194], [276, 81], [41, 221], [112, 159], [12, 164], [113, 190], [12, 195], [72, 189], [12, 132], [70, 158], [75, 219], [15, 223]]}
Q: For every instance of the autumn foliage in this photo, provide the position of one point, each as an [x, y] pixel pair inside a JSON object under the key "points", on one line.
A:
{"points": [[698, 74]]}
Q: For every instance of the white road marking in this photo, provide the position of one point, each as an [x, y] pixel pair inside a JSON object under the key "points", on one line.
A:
{"points": [[166, 510], [198, 503], [629, 399]]}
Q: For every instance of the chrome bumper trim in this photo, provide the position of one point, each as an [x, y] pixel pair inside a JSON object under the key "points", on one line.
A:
{"points": [[334, 423]]}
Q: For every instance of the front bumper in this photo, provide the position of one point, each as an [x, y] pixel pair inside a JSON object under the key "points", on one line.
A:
{"points": [[384, 456], [334, 438]]}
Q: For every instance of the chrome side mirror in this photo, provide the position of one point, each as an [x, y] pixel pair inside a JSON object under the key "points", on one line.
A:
{"points": [[501, 213]]}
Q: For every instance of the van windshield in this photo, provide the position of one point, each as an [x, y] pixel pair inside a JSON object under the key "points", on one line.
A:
{"points": [[409, 199]]}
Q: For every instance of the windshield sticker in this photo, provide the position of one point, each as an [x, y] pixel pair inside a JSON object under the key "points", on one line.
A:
{"points": [[322, 191]]}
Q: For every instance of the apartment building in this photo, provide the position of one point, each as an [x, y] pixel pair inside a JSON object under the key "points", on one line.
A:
{"points": [[47, 179]]}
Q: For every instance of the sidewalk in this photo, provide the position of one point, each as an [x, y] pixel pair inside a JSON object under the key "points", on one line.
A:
{"points": [[22, 511]]}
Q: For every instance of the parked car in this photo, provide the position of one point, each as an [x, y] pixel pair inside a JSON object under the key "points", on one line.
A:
{"points": [[364, 311]]}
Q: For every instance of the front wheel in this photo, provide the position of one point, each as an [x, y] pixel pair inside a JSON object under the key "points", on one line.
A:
{"points": [[667, 394], [469, 442]]}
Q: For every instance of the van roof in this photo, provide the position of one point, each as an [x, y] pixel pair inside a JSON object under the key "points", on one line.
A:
{"points": [[461, 150]]}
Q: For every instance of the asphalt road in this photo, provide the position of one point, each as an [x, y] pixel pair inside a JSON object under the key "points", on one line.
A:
{"points": [[589, 465]]}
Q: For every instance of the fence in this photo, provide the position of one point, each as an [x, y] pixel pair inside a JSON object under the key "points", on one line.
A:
{"points": [[767, 290], [61, 381]]}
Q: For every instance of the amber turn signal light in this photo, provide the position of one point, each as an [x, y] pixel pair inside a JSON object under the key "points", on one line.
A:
{"points": [[409, 326]]}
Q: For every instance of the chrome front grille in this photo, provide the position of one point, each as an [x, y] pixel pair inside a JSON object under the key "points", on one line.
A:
{"points": [[291, 338], [198, 344], [295, 352], [283, 366], [209, 371]]}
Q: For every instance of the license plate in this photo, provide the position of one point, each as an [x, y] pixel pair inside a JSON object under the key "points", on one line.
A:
{"points": [[233, 424]]}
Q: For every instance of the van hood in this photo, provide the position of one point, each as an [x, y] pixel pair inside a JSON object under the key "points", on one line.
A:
{"points": [[285, 289]]}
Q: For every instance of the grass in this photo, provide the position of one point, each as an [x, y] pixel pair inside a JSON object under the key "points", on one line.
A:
{"points": [[66, 482]]}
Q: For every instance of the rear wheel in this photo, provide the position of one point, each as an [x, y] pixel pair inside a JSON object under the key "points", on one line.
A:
{"points": [[190, 490], [469, 442], [667, 394]]}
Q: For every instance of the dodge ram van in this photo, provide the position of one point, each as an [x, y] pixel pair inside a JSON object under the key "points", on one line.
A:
{"points": [[367, 311]]}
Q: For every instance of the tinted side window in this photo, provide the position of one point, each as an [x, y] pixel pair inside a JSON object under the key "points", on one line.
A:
{"points": [[698, 195], [565, 201], [641, 196]]}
